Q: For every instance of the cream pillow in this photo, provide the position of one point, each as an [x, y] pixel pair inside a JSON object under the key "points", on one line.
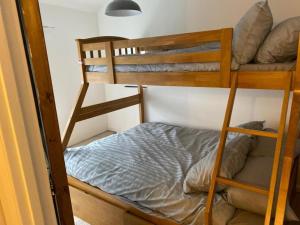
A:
{"points": [[281, 45], [251, 31]]}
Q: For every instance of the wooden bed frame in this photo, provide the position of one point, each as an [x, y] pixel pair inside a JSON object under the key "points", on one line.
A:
{"points": [[98, 207]]}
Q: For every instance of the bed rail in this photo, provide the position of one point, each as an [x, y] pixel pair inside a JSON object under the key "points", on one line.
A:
{"points": [[112, 51], [80, 113]]}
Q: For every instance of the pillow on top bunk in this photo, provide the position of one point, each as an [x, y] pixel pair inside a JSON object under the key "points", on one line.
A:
{"points": [[251, 31], [235, 153], [281, 45], [257, 171]]}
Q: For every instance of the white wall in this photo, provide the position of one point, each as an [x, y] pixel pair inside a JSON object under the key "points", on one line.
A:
{"points": [[70, 24], [196, 107]]}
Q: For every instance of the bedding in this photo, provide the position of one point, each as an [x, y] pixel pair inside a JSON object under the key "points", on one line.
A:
{"points": [[235, 153], [281, 45], [123, 165]]}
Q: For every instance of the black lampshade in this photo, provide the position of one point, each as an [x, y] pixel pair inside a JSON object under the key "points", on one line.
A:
{"points": [[123, 8]]}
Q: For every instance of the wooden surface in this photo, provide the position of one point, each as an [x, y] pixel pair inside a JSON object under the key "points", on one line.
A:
{"points": [[107, 107], [252, 132], [37, 54], [74, 116], [98, 212], [288, 158], [241, 185], [277, 152], [115, 208], [221, 146]]}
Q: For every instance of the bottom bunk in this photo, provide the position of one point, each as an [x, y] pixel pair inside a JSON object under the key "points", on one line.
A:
{"points": [[158, 173]]}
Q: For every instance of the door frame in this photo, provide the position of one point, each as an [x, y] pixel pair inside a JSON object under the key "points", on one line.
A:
{"points": [[25, 194], [37, 59]]}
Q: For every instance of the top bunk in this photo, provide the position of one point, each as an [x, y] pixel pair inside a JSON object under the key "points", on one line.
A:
{"points": [[199, 59]]}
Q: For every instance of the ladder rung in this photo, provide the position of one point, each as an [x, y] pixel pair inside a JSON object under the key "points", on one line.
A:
{"points": [[252, 132], [237, 184]]}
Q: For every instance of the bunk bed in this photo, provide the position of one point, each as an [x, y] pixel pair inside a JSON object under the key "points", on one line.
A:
{"points": [[114, 60]]}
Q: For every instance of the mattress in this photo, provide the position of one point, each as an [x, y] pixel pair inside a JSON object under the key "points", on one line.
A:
{"points": [[193, 67], [146, 167]]}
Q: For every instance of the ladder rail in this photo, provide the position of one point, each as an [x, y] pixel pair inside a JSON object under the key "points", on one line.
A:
{"points": [[277, 153], [223, 137], [216, 179], [288, 159]]}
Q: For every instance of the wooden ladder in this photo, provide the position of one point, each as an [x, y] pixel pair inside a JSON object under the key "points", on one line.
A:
{"points": [[216, 179]]}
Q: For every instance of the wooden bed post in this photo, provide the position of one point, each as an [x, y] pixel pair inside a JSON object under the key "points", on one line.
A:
{"points": [[82, 93], [141, 105], [297, 74], [226, 58], [110, 61], [288, 159]]}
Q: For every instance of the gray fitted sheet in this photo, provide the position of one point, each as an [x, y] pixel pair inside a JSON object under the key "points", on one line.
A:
{"points": [[146, 166], [193, 67]]}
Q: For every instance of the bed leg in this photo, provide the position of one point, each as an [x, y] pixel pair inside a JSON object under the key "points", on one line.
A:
{"points": [[288, 159], [141, 105]]}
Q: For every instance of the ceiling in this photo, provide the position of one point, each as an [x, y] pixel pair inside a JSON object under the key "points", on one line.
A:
{"points": [[86, 5]]}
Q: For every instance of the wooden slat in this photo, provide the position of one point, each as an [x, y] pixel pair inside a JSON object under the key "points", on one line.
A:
{"points": [[211, 56], [95, 61], [110, 62], [252, 132], [192, 79], [241, 185], [274, 80], [180, 39], [218, 161], [288, 159], [107, 107], [226, 51], [93, 46], [277, 152], [97, 193], [96, 77]]}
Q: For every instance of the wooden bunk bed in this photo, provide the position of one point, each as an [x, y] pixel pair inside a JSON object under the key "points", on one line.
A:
{"points": [[110, 52]]}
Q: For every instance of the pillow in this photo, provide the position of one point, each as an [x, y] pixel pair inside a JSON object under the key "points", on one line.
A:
{"points": [[281, 45], [251, 31], [246, 218], [235, 153], [257, 171]]}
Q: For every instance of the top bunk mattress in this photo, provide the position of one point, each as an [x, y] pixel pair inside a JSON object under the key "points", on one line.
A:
{"points": [[193, 67]]}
